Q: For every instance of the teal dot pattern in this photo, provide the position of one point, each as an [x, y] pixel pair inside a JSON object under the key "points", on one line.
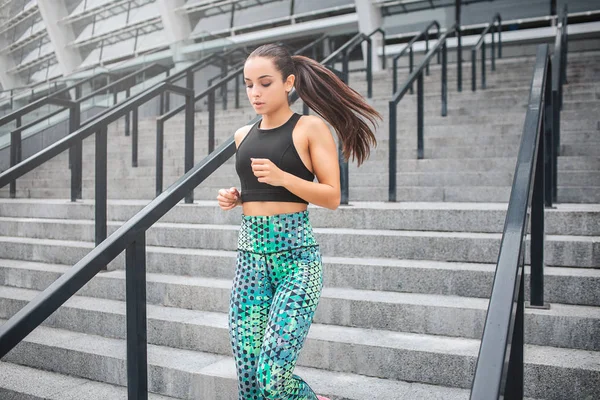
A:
{"points": [[276, 290]]}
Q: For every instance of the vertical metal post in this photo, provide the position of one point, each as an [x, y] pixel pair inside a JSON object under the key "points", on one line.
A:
{"points": [[392, 153], [137, 342], [76, 166], [343, 175], [369, 70], [211, 121], [493, 48], [420, 116], [394, 76], [237, 91], [427, 51], [189, 80], [555, 140], [473, 70], [499, 37], [444, 80], [514, 384], [537, 227], [101, 185], [189, 134], [410, 67], [15, 155], [161, 104], [459, 46], [548, 126], [160, 129], [128, 115], [483, 64], [305, 109], [224, 85], [134, 138]]}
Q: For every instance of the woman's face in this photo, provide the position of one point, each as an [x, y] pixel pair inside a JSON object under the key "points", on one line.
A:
{"points": [[266, 89]]}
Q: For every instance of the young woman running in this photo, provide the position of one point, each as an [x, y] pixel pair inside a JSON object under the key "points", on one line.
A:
{"points": [[279, 277]]}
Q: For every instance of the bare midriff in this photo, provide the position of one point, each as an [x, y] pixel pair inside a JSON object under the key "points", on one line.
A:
{"points": [[267, 208]]}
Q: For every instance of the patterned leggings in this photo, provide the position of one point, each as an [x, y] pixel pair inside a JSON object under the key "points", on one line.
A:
{"points": [[276, 290]]}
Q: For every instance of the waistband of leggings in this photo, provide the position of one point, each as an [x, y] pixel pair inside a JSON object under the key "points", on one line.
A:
{"points": [[275, 233]]}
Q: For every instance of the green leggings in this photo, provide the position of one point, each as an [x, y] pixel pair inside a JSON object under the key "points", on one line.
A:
{"points": [[276, 290]]}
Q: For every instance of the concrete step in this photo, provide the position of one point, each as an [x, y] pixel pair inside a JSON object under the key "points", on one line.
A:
{"points": [[21, 382], [560, 250], [563, 326], [566, 219], [423, 358]]}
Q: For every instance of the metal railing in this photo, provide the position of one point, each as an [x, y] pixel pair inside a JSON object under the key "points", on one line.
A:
{"points": [[130, 237], [504, 325], [344, 53], [74, 107], [481, 45], [441, 46], [409, 48]]}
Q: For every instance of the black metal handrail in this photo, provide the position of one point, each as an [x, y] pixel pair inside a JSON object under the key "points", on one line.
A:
{"points": [[503, 338], [409, 47], [559, 78], [481, 45], [417, 75], [130, 236], [74, 107]]}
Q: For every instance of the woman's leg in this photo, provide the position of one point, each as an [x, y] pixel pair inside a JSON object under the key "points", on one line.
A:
{"points": [[251, 296], [297, 276]]}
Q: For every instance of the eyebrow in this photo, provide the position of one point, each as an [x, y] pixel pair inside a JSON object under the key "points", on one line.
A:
{"points": [[260, 77]]}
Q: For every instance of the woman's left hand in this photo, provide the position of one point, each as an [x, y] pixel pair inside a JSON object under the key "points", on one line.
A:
{"points": [[267, 172]]}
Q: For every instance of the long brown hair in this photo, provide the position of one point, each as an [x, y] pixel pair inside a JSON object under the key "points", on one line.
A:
{"points": [[329, 97]]}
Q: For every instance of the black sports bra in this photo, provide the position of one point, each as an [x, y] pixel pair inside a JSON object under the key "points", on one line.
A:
{"points": [[278, 146]]}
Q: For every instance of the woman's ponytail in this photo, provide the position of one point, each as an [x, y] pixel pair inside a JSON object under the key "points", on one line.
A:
{"points": [[329, 97], [337, 103]]}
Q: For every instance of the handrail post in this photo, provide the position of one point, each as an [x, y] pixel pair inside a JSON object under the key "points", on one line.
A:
{"points": [[493, 48], [237, 91], [514, 383], [459, 59], [15, 154], [420, 116], [427, 51], [392, 153], [137, 342], [189, 134], [343, 175], [76, 166], [499, 36], [444, 80], [394, 75], [305, 109], [410, 70], [473, 70], [483, 65], [128, 115], [548, 125], [211, 121], [100, 185], [134, 138], [369, 69], [160, 129]]}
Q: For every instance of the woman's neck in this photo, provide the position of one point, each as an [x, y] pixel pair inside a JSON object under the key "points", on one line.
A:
{"points": [[275, 119]]}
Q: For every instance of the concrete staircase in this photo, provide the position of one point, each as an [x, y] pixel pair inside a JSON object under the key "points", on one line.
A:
{"points": [[406, 284]]}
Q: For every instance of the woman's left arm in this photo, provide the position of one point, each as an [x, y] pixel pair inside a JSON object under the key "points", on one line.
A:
{"points": [[324, 158]]}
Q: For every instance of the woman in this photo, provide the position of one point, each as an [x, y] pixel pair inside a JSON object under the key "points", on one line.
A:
{"points": [[278, 278]]}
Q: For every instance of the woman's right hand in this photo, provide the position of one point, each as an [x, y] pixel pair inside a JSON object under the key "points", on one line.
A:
{"points": [[228, 198]]}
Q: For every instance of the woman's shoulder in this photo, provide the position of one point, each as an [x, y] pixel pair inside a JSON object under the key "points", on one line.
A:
{"points": [[311, 124], [241, 133]]}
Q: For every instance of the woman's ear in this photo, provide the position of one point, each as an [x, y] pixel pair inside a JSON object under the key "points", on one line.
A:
{"points": [[289, 83]]}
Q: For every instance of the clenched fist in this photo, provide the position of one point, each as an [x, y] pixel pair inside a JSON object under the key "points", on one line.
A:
{"points": [[267, 172], [229, 198]]}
